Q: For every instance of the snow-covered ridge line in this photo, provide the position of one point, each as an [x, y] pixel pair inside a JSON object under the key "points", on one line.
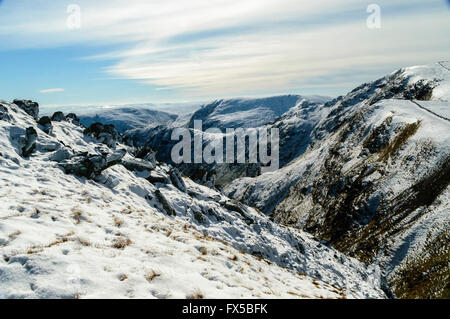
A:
{"points": [[84, 216], [374, 179]]}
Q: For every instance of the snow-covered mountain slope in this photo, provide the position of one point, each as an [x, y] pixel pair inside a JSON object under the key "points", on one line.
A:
{"points": [[298, 114], [128, 118], [374, 179], [117, 226], [249, 113]]}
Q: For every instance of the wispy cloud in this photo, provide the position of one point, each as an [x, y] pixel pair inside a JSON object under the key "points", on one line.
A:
{"points": [[215, 47], [55, 90]]}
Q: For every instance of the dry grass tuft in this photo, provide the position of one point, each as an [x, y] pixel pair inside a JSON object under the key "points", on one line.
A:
{"points": [[152, 275], [34, 250], [121, 243], [84, 242], [14, 235], [197, 294], [127, 211], [77, 214], [203, 251], [118, 221]]}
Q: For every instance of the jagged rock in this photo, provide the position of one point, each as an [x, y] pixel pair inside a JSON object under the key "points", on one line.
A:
{"points": [[165, 204], [237, 207], [30, 107], [158, 177], [105, 134], [146, 153], [137, 164], [84, 166], [46, 124], [62, 154], [72, 117], [115, 157], [29, 142], [58, 117], [90, 166], [177, 179], [4, 114]]}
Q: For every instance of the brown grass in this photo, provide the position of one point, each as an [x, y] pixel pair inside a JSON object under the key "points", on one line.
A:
{"points": [[390, 149], [84, 242], [121, 243], [203, 251], [127, 210], [152, 275], [427, 276], [197, 294], [14, 235], [34, 250], [118, 221], [77, 214]]}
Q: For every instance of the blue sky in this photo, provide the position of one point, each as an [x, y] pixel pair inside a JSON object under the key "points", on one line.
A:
{"points": [[198, 50]]}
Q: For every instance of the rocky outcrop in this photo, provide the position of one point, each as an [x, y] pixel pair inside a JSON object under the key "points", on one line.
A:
{"points": [[237, 207], [90, 165], [165, 203], [29, 141], [158, 177], [105, 134], [146, 153], [137, 164], [30, 107], [72, 117], [46, 124], [177, 179], [62, 154], [58, 117], [4, 116]]}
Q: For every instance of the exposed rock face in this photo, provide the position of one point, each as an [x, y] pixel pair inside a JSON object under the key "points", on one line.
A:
{"points": [[4, 116], [29, 141], [137, 164], [72, 117], [90, 166], [237, 207], [58, 117], [146, 153], [30, 107], [165, 203], [105, 134], [177, 179], [158, 177], [46, 124]]}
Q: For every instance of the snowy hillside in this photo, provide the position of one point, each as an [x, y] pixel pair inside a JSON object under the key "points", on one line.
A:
{"points": [[82, 217], [249, 113], [373, 180], [128, 118], [302, 114]]}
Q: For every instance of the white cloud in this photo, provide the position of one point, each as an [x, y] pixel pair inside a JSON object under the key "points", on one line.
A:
{"points": [[216, 47], [55, 90]]}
